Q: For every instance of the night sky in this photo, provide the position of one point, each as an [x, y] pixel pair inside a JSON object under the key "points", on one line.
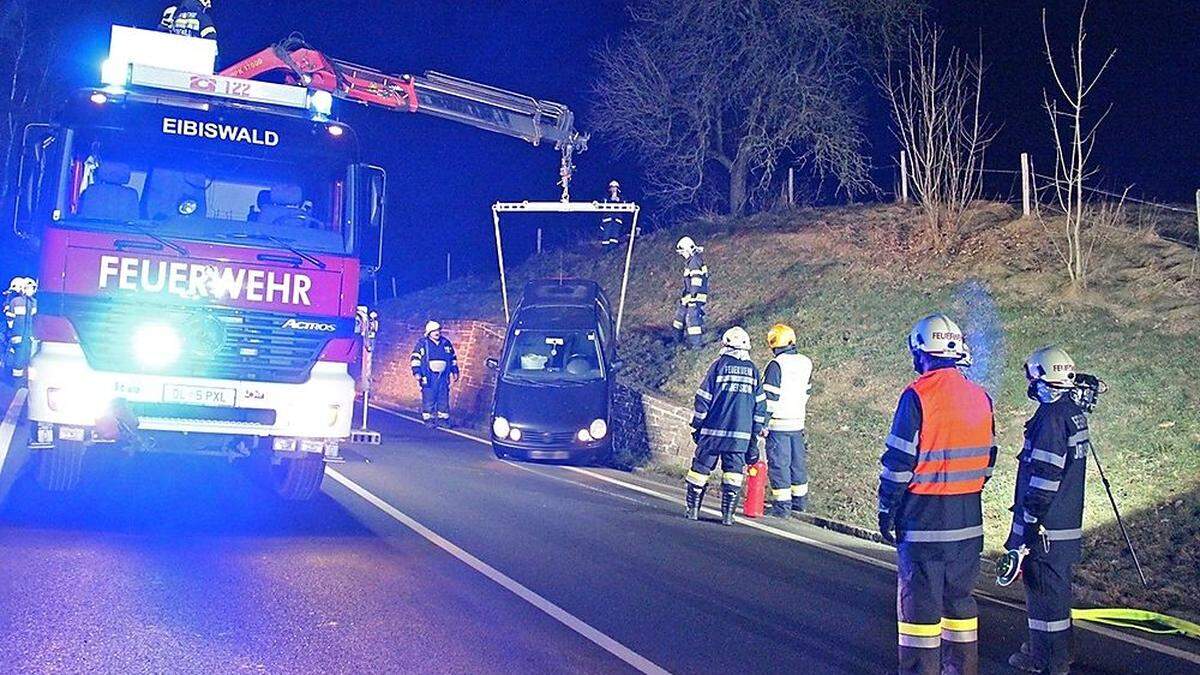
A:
{"points": [[444, 177]]}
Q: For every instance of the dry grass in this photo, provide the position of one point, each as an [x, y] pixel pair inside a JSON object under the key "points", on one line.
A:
{"points": [[851, 282]]}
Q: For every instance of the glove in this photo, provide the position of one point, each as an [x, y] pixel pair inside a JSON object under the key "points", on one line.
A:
{"points": [[752, 455], [696, 436], [885, 528], [1035, 539]]}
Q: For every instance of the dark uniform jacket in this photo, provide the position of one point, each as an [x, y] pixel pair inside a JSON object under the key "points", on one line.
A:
{"points": [[730, 406], [939, 453], [1050, 479], [427, 352], [188, 17], [695, 281]]}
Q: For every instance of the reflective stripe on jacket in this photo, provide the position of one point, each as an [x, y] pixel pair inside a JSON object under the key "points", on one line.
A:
{"points": [[695, 281], [1051, 476], [430, 357], [730, 404]]}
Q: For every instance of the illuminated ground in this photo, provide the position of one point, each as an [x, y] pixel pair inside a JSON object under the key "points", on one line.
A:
{"points": [[168, 565]]}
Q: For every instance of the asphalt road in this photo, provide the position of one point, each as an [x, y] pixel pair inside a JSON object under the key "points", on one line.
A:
{"points": [[427, 554]]}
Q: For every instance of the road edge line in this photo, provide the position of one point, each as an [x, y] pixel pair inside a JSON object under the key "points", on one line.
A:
{"points": [[1134, 640], [557, 613], [8, 427]]}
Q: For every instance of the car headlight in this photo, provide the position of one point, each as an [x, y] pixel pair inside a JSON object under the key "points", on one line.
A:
{"points": [[584, 436], [514, 434], [500, 427], [598, 429], [156, 345]]}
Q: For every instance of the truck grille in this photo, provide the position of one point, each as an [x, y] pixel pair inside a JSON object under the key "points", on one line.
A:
{"points": [[218, 342]]}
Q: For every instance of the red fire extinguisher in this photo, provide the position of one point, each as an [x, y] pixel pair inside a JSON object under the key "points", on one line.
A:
{"points": [[756, 485]]}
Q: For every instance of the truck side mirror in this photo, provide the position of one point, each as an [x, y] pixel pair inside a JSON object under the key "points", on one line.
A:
{"points": [[370, 215], [36, 151], [492, 363]]}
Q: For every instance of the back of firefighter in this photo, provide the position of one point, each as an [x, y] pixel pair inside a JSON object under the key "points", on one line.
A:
{"points": [[612, 225], [689, 315], [433, 363], [1048, 508], [938, 455], [20, 308], [786, 384], [730, 415], [190, 18]]}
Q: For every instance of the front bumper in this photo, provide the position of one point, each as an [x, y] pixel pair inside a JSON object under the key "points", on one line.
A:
{"points": [[553, 451], [321, 407]]}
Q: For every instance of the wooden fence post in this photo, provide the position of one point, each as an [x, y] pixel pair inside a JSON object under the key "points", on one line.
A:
{"points": [[1025, 184], [539, 241], [1197, 219], [903, 177], [447, 265], [791, 186]]}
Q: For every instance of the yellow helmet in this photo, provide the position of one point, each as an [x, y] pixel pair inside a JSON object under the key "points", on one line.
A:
{"points": [[781, 335]]}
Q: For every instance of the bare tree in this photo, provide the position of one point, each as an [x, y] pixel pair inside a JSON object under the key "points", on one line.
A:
{"points": [[934, 93], [1074, 140], [709, 95], [28, 84]]}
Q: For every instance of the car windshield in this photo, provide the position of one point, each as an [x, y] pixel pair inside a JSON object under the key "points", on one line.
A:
{"points": [[554, 356], [205, 195]]}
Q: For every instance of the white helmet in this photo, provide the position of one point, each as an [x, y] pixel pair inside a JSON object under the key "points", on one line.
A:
{"points": [[16, 285], [937, 335], [1051, 365], [736, 338], [964, 359], [685, 247], [31, 286], [432, 326], [614, 184]]}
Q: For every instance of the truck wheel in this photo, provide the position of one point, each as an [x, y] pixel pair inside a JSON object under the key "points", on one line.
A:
{"points": [[298, 478], [60, 467]]}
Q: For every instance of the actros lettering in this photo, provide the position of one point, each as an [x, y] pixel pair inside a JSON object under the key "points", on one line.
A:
{"points": [[214, 131], [191, 280]]}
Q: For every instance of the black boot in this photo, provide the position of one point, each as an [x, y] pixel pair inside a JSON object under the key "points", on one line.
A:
{"points": [[695, 497], [729, 502], [780, 509], [799, 504]]}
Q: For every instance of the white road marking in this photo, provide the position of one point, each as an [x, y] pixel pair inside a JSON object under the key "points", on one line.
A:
{"points": [[9, 426], [838, 550], [559, 614]]}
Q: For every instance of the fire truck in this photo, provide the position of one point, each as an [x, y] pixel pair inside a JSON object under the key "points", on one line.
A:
{"points": [[201, 239]]}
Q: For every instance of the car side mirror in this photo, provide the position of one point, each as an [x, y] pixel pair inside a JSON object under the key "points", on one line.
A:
{"points": [[491, 363], [617, 365]]}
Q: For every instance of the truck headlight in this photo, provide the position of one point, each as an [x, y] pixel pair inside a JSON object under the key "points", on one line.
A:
{"points": [[598, 429], [156, 345], [500, 427]]}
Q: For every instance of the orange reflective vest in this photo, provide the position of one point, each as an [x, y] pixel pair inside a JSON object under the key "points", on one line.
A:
{"points": [[956, 436]]}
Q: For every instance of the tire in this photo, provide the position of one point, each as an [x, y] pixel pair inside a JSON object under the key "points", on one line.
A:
{"points": [[298, 478], [60, 468]]}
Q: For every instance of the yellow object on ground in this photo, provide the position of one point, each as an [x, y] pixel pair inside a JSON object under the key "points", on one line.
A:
{"points": [[1139, 619]]}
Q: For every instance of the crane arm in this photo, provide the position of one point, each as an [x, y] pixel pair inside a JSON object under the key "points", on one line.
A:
{"points": [[479, 105]]}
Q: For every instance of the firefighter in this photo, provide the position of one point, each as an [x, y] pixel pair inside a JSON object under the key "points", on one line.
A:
{"points": [[19, 311], [1048, 508], [433, 364], [612, 225], [937, 457], [786, 384], [190, 18], [730, 414], [689, 316]]}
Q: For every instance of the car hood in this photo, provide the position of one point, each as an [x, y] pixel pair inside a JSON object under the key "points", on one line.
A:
{"points": [[552, 408]]}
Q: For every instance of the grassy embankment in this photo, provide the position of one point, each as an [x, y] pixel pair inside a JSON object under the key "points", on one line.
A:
{"points": [[850, 283]]}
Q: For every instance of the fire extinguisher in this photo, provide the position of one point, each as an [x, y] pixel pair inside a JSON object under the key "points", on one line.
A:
{"points": [[756, 486]]}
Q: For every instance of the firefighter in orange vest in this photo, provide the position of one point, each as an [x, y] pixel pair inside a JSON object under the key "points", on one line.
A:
{"points": [[938, 456]]}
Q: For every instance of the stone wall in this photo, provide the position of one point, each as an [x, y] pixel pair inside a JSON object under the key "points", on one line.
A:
{"points": [[647, 428]]}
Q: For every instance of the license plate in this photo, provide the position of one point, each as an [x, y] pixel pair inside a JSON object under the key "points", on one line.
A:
{"points": [[191, 395]]}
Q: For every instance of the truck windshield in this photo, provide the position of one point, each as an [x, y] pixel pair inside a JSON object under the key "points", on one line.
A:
{"points": [[207, 195], [554, 356]]}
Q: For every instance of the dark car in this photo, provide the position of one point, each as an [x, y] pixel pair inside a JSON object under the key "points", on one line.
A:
{"points": [[556, 375]]}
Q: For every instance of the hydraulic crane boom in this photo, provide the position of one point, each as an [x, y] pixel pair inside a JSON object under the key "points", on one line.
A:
{"points": [[479, 105]]}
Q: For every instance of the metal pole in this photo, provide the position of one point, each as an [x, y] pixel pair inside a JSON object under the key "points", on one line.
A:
{"points": [[1120, 523], [1025, 184], [500, 262], [903, 177], [625, 278]]}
